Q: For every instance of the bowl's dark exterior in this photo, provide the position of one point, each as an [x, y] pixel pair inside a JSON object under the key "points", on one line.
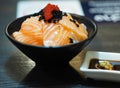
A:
{"points": [[51, 56]]}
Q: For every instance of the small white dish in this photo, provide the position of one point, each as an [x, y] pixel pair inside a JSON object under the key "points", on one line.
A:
{"points": [[101, 74]]}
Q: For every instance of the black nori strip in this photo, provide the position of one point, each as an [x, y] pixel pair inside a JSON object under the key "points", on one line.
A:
{"points": [[64, 14], [35, 14], [77, 25], [72, 20], [57, 15], [71, 40]]}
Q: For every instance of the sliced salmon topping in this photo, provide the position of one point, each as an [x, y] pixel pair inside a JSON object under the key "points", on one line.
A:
{"points": [[58, 38], [43, 33], [27, 39], [33, 28], [71, 26]]}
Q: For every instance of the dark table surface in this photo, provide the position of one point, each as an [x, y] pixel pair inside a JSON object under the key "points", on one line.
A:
{"points": [[18, 71]]}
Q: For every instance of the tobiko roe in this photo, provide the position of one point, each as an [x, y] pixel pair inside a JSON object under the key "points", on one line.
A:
{"points": [[48, 11]]}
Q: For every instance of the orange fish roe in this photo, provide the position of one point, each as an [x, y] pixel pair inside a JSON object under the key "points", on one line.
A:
{"points": [[48, 11]]}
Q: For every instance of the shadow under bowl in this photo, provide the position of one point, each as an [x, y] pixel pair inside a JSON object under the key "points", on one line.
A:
{"points": [[52, 56]]}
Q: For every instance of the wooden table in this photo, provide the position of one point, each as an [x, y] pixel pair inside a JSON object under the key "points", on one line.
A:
{"points": [[18, 71]]}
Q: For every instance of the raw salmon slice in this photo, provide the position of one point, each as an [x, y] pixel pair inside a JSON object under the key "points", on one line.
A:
{"points": [[27, 39], [79, 32], [55, 35]]}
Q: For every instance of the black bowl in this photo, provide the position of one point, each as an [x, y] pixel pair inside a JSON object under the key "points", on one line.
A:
{"points": [[52, 56]]}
